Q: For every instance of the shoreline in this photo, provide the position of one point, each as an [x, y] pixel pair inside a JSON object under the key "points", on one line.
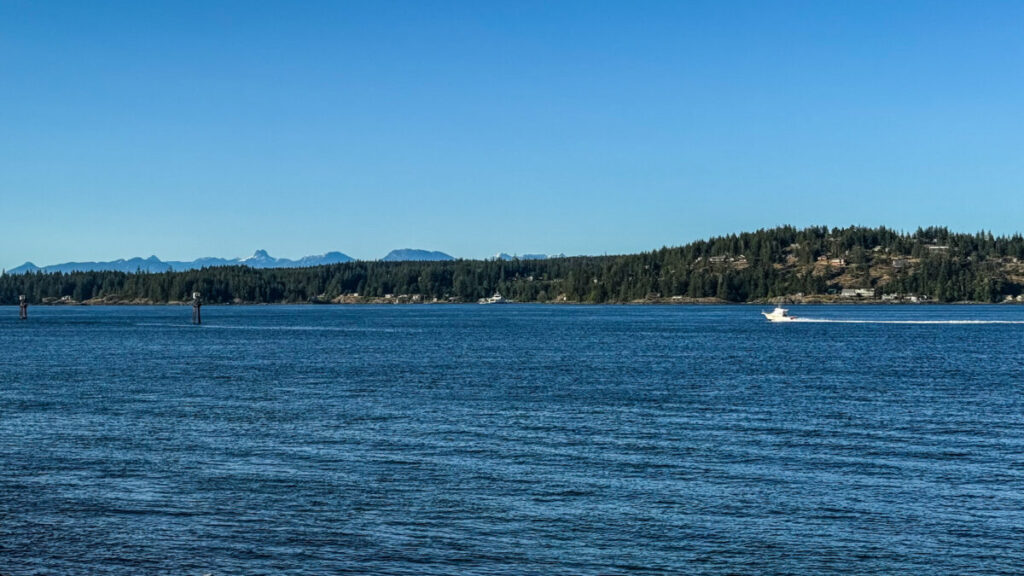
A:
{"points": [[660, 302]]}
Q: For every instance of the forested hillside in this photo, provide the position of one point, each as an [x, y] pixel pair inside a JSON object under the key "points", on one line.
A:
{"points": [[811, 263]]}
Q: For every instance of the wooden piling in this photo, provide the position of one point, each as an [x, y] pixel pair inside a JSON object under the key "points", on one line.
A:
{"points": [[197, 303], [22, 307]]}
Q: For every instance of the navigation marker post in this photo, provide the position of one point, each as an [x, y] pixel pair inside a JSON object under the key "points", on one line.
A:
{"points": [[22, 307], [197, 303]]}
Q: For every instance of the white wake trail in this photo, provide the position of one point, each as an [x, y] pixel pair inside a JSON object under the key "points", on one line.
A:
{"points": [[947, 322]]}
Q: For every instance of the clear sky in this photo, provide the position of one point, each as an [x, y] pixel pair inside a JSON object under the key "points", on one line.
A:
{"points": [[187, 129]]}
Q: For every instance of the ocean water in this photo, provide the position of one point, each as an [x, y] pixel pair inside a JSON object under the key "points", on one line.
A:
{"points": [[522, 439]]}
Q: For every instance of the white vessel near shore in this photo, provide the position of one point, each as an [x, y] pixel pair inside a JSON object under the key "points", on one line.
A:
{"points": [[780, 314], [496, 299]]}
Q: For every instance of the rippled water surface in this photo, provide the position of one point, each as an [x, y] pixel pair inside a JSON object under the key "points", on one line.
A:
{"points": [[510, 440]]}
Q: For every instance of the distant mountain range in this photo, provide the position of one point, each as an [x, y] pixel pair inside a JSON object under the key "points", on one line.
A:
{"points": [[505, 256], [407, 254], [259, 259]]}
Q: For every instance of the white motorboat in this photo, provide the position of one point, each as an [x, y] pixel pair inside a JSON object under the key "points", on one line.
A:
{"points": [[780, 314], [496, 299]]}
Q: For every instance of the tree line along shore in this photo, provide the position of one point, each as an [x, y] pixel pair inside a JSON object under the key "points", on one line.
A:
{"points": [[815, 264]]}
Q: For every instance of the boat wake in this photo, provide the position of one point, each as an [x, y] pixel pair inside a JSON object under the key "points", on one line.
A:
{"points": [[780, 314], [948, 322]]}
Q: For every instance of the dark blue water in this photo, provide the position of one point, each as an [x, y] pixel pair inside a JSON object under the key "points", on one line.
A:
{"points": [[510, 440]]}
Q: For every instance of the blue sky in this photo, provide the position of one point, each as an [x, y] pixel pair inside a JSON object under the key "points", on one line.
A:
{"points": [[188, 129]]}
